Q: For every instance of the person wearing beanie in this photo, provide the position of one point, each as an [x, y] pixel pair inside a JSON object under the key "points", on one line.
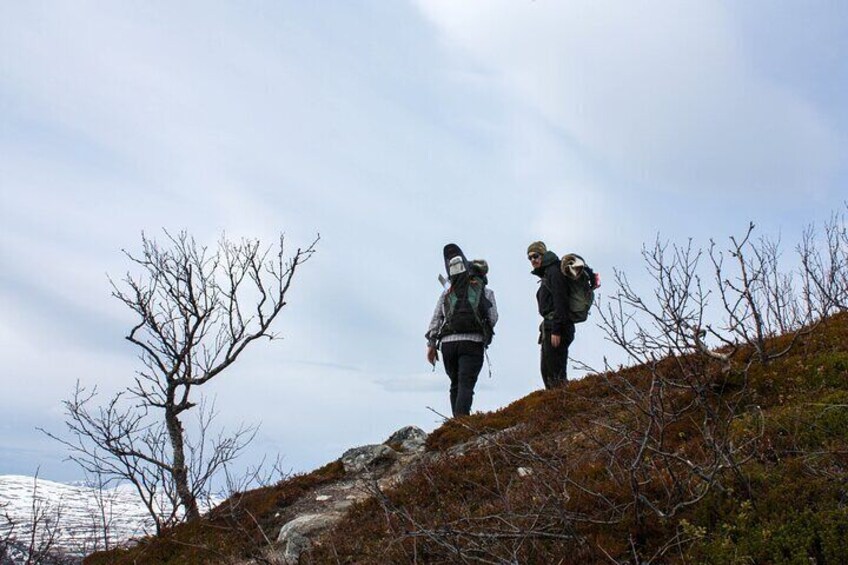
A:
{"points": [[462, 326], [537, 247], [556, 332]]}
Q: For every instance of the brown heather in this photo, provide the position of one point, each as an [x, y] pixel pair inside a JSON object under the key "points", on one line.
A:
{"points": [[543, 479]]}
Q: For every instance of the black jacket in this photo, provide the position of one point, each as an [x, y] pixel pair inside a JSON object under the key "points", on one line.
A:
{"points": [[552, 295]]}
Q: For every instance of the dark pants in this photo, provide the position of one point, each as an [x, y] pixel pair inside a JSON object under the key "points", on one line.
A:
{"points": [[555, 359], [463, 361]]}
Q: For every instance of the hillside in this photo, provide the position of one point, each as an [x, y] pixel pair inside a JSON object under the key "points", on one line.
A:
{"points": [[687, 460]]}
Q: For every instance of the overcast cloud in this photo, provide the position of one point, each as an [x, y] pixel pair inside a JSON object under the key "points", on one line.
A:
{"points": [[390, 129]]}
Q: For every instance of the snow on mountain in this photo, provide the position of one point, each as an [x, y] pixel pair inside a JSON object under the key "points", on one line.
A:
{"points": [[81, 517]]}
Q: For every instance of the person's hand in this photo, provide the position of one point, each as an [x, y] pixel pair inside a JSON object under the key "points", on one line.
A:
{"points": [[555, 340], [432, 355]]}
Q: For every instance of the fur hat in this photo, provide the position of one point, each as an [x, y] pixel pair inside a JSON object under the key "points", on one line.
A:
{"points": [[572, 266], [480, 266], [537, 247]]}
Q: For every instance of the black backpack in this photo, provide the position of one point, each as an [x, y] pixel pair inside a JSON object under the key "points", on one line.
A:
{"points": [[467, 308]]}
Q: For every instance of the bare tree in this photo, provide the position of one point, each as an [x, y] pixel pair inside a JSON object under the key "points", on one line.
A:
{"points": [[198, 309]]}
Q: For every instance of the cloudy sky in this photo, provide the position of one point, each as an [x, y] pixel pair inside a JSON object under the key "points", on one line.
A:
{"points": [[390, 128]]}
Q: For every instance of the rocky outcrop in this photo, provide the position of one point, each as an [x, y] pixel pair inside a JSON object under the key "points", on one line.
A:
{"points": [[368, 470], [366, 467]]}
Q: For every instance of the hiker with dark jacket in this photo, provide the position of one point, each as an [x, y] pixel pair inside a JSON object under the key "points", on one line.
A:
{"points": [[556, 331], [462, 327]]}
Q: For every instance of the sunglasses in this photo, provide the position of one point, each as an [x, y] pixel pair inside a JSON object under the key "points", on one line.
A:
{"points": [[533, 256]]}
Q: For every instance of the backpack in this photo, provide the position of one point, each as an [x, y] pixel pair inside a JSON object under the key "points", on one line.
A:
{"points": [[467, 308], [582, 282]]}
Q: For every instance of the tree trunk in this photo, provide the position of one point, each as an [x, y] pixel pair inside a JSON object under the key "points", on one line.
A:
{"points": [[179, 471]]}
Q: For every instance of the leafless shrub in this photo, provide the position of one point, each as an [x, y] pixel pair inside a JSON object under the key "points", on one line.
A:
{"points": [[7, 533], [265, 473], [670, 324], [825, 265], [35, 539], [98, 531], [760, 300], [757, 299]]}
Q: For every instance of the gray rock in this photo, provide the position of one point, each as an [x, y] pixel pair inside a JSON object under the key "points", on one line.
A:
{"points": [[367, 457], [306, 524], [410, 438], [295, 534]]}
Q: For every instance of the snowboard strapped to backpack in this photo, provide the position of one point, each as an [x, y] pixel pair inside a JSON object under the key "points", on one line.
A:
{"points": [[466, 306], [582, 282]]}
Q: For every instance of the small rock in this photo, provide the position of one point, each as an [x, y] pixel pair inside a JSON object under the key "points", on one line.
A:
{"points": [[323, 497], [524, 472], [410, 438]]}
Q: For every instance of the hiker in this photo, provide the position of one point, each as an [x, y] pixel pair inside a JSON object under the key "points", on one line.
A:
{"points": [[462, 326], [556, 332]]}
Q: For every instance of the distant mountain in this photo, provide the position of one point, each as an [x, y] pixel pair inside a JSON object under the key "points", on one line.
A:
{"points": [[74, 516]]}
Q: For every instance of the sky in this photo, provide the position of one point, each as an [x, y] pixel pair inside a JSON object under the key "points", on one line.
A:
{"points": [[390, 129]]}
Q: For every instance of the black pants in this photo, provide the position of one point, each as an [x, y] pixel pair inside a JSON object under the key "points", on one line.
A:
{"points": [[463, 361], [555, 359]]}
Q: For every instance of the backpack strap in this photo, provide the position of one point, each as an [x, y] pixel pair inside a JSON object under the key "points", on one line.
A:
{"points": [[481, 300]]}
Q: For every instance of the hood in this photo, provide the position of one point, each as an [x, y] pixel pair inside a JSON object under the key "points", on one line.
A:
{"points": [[479, 268], [548, 259]]}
